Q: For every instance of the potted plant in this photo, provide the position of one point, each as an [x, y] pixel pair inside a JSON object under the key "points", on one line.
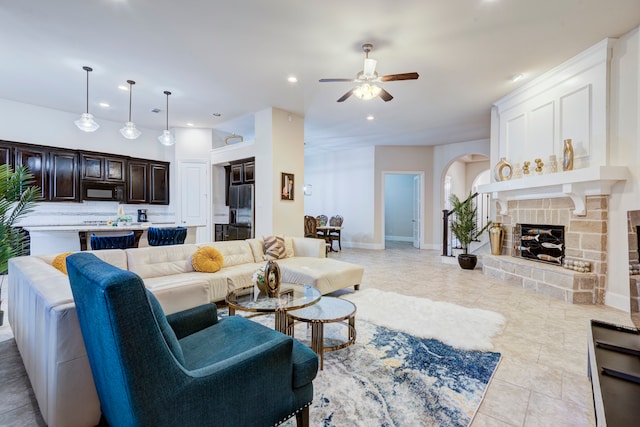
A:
{"points": [[17, 198], [465, 227]]}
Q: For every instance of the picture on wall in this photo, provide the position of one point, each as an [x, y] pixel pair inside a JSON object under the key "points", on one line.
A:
{"points": [[287, 186]]}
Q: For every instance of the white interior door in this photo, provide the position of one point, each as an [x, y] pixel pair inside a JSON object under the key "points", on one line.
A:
{"points": [[417, 202], [194, 198]]}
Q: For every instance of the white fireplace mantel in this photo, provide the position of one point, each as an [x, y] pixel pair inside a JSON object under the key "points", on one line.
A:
{"points": [[576, 184]]}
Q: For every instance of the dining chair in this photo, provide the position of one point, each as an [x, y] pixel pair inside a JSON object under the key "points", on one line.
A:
{"points": [[311, 230], [335, 234]]}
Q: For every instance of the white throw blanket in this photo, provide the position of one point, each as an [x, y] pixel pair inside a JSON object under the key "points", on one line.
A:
{"points": [[454, 325]]}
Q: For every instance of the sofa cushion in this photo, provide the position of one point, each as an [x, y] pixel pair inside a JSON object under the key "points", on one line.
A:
{"points": [[60, 261], [274, 247], [207, 259], [157, 261], [234, 252], [325, 274]]}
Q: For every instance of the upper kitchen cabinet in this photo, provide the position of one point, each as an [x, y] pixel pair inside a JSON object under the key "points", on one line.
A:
{"points": [[138, 182], [148, 182], [6, 153], [63, 176], [98, 167], [159, 183], [35, 159]]}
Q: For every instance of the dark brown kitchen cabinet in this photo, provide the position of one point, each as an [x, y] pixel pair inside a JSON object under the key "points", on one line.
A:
{"points": [[63, 176], [159, 183], [6, 153], [148, 182], [35, 159], [138, 182], [97, 167]]}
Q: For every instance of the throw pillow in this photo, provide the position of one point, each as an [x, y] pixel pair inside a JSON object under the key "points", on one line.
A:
{"points": [[274, 247], [207, 259], [288, 247], [60, 261]]}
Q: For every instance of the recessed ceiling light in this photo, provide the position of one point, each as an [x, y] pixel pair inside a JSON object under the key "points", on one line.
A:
{"points": [[190, 124], [217, 114], [517, 77], [292, 79], [124, 88], [104, 104], [370, 117]]}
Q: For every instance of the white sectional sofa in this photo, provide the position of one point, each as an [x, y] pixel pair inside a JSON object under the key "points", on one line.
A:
{"points": [[44, 321]]}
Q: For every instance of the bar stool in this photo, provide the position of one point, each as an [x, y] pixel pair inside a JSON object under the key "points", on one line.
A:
{"points": [[166, 236], [113, 242]]}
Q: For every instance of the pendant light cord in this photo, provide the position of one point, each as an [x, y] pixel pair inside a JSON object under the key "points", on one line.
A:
{"points": [[131, 83], [87, 69], [166, 92]]}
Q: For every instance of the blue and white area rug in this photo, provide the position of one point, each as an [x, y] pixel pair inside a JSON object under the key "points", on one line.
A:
{"points": [[390, 378]]}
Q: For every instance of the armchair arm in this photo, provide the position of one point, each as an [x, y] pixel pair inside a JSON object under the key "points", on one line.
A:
{"points": [[192, 320]]}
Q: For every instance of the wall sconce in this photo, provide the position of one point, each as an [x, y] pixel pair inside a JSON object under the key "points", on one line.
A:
{"points": [[307, 189]]}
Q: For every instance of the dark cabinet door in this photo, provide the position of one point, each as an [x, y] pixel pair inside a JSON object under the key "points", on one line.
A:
{"points": [[92, 167], [137, 182], [159, 183], [63, 176], [36, 161], [114, 169], [6, 153]]}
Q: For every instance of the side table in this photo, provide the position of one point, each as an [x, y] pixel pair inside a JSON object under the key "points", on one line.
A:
{"points": [[327, 310]]}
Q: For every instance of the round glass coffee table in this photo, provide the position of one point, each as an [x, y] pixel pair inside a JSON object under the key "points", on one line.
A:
{"points": [[292, 297], [327, 310]]}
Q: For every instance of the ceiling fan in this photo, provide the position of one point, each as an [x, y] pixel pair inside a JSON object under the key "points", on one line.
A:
{"points": [[368, 80]]}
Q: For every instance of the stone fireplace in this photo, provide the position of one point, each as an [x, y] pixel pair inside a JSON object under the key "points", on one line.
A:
{"points": [[584, 240]]}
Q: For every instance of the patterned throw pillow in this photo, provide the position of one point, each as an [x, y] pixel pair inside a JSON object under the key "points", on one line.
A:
{"points": [[207, 259], [274, 247], [60, 261]]}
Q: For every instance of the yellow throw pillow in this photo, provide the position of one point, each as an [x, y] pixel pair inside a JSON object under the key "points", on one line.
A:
{"points": [[60, 261], [274, 247], [207, 259]]}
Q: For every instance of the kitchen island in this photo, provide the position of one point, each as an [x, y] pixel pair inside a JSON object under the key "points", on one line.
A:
{"points": [[53, 239]]}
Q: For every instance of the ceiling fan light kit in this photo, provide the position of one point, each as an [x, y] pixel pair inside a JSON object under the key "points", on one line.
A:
{"points": [[369, 81], [86, 123], [129, 130]]}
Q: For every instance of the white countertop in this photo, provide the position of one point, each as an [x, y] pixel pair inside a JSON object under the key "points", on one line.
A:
{"points": [[93, 227]]}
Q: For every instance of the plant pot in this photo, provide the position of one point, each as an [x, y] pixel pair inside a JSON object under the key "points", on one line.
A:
{"points": [[467, 261]]}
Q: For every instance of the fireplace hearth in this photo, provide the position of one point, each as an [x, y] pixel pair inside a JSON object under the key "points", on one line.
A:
{"points": [[540, 242]]}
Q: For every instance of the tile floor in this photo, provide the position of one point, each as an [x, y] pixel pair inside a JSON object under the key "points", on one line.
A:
{"points": [[542, 378]]}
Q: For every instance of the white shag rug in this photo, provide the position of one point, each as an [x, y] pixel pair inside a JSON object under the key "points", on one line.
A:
{"points": [[460, 327]]}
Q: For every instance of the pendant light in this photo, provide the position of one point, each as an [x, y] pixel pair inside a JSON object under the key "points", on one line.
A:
{"points": [[86, 122], [129, 130], [166, 138]]}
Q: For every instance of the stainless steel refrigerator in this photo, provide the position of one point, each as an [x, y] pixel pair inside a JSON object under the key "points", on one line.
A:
{"points": [[241, 216]]}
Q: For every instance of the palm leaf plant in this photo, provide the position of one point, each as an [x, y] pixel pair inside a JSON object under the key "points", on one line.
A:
{"points": [[464, 224], [18, 197]]}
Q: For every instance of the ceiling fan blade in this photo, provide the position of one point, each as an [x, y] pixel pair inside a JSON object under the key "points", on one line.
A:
{"points": [[345, 96], [336, 80], [404, 76], [386, 96]]}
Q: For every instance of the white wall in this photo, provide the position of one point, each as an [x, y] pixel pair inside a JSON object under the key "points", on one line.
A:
{"points": [[342, 184], [44, 126], [443, 156], [398, 207], [624, 136]]}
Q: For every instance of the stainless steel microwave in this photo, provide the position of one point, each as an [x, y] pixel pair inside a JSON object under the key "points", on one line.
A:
{"points": [[96, 190]]}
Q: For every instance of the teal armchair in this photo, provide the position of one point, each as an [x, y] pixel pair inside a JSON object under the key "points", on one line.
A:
{"points": [[185, 369]]}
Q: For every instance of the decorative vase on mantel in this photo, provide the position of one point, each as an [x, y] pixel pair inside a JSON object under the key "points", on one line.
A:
{"points": [[496, 238], [567, 163], [503, 170]]}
